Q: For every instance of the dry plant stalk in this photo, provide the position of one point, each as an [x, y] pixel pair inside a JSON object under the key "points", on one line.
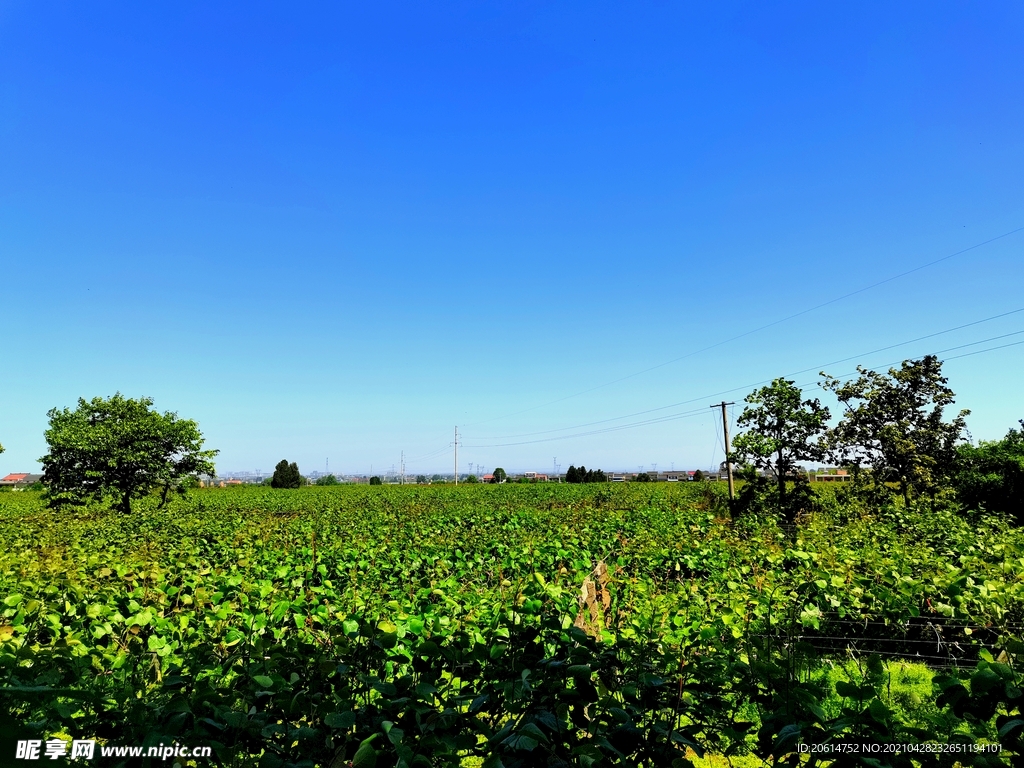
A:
{"points": [[595, 600]]}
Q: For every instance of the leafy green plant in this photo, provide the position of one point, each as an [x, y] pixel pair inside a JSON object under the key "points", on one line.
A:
{"points": [[415, 625], [990, 475]]}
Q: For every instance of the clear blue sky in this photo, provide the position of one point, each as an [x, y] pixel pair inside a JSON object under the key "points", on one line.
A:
{"points": [[328, 231]]}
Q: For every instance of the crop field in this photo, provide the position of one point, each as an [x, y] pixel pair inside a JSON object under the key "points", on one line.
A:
{"points": [[512, 625]]}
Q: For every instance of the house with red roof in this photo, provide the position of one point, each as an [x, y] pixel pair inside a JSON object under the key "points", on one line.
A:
{"points": [[19, 480]]}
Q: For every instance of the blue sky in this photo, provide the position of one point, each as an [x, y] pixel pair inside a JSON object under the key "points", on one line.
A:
{"points": [[338, 231]]}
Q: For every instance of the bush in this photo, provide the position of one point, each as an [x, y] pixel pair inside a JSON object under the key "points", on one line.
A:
{"points": [[990, 476], [759, 496]]}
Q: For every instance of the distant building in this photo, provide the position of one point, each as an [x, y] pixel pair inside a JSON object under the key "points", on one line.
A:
{"points": [[18, 480], [832, 476]]}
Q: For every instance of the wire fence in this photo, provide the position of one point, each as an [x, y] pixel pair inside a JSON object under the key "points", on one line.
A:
{"points": [[939, 642]]}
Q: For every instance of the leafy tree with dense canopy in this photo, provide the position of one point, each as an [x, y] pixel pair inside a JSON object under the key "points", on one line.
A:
{"points": [[499, 475], [894, 423], [327, 480], [375, 481], [422, 479], [990, 475], [122, 448], [583, 475], [782, 429], [286, 475], [471, 479], [643, 477]]}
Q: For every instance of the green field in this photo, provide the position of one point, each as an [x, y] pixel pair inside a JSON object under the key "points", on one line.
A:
{"points": [[440, 625]]}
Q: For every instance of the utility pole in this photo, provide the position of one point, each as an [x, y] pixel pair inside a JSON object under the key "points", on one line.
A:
{"points": [[456, 454], [728, 450], [403, 467]]}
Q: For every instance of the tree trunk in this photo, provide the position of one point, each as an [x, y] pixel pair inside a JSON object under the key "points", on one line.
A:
{"points": [[781, 478]]}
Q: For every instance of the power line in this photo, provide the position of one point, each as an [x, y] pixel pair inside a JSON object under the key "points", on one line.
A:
{"points": [[762, 327], [688, 414], [658, 420], [430, 455], [794, 373]]}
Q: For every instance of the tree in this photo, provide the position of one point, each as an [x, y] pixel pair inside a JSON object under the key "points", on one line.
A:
{"points": [[643, 477], [990, 475], [583, 475], [782, 430], [286, 475], [327, 480], [499, 476], [375, 480], [121, 448], [422, 479], [471, 479], [894, 423], [698, 475]]}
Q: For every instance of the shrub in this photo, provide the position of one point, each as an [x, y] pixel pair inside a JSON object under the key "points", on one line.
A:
{"points": [[990, 475]]}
